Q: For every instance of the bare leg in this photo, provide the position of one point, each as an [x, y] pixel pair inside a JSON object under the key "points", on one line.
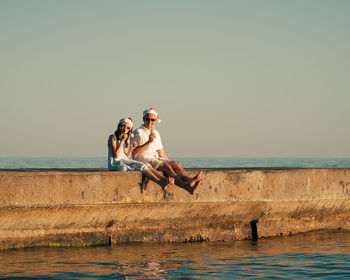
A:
{"points": [[155, 176], [198, 177], [156, 173], [194, 188], [177, 167], [160, 176], [178, 180]]}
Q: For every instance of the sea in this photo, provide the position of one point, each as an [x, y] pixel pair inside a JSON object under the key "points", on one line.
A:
{"points": [[313, 255], [187, 162]]}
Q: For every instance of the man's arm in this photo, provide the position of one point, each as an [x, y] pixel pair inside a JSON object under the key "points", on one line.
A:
{"points": [[162, 153], [140, 149]]}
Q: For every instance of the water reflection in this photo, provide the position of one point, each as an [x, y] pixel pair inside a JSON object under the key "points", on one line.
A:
{"points": [[324, 254]]}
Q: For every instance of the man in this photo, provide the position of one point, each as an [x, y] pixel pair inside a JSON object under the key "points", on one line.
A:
{"points": [[150, 149]]}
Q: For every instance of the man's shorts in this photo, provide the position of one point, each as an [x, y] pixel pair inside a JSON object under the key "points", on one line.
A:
{"points": [[157, 162]]}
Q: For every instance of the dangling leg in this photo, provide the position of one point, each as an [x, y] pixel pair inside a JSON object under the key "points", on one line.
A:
{"points": [[194, 188], [178, 180], [157, 177], [149, 172], [177, 167], [144, 182]]}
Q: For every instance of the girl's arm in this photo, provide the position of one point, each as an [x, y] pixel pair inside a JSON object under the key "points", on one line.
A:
{"points": [[132, 147], [117, 149]]}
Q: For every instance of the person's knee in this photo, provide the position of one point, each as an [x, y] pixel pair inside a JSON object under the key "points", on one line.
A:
{"points": [[169, 166], [168, 169], [176, 164], [164, 166]]}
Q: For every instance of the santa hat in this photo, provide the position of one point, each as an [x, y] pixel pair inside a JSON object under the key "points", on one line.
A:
{"points": [[129, 122], [151, 111]]}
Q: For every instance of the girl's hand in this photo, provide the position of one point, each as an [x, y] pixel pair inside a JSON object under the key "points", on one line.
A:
{"points": [[124, 136], [133, 145]]}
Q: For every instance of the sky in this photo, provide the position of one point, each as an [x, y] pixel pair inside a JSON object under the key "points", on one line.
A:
{"points": [[263, 78]]}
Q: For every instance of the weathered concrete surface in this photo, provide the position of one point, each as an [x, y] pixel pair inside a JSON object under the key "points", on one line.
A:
{"points": [[78, 208]]}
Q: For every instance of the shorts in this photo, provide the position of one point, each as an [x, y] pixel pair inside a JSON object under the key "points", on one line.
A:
{"points": [[129, 165], [157, 162]]}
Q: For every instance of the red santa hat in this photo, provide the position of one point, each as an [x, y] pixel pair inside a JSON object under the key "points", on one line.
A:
{"points": [[151, 111]]}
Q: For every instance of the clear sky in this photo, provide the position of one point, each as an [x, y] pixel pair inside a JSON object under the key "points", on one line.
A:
{"points": [[229, 78]]}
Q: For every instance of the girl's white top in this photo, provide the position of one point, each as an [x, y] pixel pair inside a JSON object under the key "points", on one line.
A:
{"points": [[123, 163], [112, 160]]}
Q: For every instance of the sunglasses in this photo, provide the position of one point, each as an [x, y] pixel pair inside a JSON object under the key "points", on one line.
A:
{"points": [[124, 125], [149, 120]]}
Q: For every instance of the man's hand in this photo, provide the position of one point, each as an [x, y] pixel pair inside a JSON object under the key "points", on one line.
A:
{"points": [[152, 136]]}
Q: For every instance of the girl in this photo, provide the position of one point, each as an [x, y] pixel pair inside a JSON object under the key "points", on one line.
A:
{"points": [[119, 153]]}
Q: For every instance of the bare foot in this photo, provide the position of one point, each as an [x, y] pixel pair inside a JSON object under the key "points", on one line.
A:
{"points": [[194, 188], [196, 179], [199, 176], [166, 183]]}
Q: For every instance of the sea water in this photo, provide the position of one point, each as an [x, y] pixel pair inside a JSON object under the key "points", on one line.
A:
{"points": [[17, 163], [313, 255]]}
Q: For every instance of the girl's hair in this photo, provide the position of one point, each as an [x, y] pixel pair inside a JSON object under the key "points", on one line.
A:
{"points": [[117, 134]]}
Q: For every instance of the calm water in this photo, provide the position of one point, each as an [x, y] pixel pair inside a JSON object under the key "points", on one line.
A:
{"points": [[320, 255], [13, 163], [316, 255]]}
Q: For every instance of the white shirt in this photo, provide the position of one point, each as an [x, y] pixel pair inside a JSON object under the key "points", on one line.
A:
{"points": [[141, 136], [112, 160]]}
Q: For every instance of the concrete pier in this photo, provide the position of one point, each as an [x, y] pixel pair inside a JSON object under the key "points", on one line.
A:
{"points": [[91, 207]]}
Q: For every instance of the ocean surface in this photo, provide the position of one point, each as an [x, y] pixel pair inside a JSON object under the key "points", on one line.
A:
{"points": [[313, 255], [15, 163]]}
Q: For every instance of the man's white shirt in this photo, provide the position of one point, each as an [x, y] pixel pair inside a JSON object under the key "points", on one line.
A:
{"points": [[141, 136]]}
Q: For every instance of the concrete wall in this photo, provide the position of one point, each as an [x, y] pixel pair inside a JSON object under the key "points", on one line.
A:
{"points": [[78, 208]]}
